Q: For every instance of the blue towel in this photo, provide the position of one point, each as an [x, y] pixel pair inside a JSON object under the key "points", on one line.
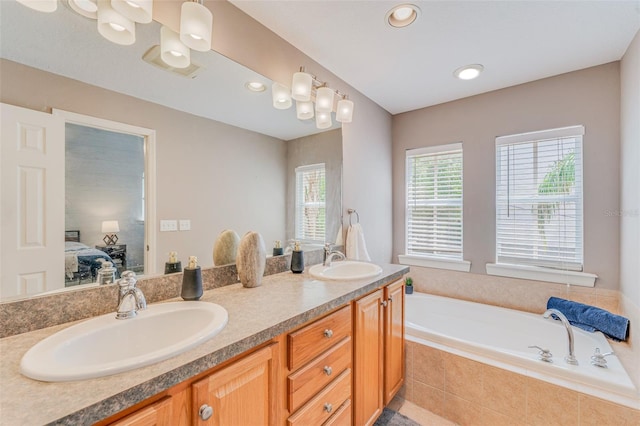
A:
{"points": [[590, 318]]}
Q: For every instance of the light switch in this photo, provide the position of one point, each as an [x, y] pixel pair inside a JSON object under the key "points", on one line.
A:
{"points": [[185, 224], [168, 225]]}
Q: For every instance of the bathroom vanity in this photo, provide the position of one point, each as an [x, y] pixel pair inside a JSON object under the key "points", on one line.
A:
{"points": [[295, 351]]}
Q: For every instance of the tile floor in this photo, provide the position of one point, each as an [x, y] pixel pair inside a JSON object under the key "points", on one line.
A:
{"points": [[417, 414]]}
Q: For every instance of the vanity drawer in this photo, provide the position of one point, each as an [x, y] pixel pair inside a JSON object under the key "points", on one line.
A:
{"points": [[325, 404], [311, 378], [342, 417], [310, 341]]}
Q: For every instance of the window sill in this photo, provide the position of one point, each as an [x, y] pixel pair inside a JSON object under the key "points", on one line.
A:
{"points": [[432, 262], [582, 279]]}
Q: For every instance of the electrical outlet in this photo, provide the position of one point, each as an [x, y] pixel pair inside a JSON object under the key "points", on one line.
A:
{"points": [[168, 225], [185, 224]]}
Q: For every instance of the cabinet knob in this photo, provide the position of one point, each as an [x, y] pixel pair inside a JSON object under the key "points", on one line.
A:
{"points": [[328, 333], [328, 407], [205, 412], [390, 298], [327, 370], [384, 303]]}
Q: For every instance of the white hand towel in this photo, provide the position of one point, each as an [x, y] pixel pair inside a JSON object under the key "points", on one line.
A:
{"points": [[356, 247]]}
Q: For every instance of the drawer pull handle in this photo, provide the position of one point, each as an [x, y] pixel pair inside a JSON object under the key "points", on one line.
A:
{"points": [[328, 333], [384, 303], [328, 407], [205, 412], [327, 370]]}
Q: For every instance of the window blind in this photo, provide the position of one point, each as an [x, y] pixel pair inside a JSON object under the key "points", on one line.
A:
{"points": [[434, 201], [539, 217], [310, 203]]}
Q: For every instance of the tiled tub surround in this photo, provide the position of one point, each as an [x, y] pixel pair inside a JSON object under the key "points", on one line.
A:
{"points": [[47, 310], [256, 315], [532, 296], [469, 392]]}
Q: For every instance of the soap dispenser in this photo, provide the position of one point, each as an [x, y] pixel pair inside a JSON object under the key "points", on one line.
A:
{"points": [[192, 280], [297, 259]]}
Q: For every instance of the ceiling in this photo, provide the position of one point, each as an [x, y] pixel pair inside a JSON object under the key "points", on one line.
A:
{"points": [[410, 68]]}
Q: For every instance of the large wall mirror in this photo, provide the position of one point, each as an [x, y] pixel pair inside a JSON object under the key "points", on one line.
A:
{"points": [[225, 158]]}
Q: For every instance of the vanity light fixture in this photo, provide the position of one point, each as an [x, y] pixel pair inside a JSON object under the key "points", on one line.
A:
{"points": [[468, 72], [306, 89], [304, 110], [136, 10], [344, 110], [86, 8], [301, 86], [255, 86], [281, 96], [173, 52], [324, 99], [113, 26], [402, 15], [323, 119], [40, 5], [196, 25]]}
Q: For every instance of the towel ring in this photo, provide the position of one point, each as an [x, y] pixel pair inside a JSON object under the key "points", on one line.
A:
{"points": [[351, 212]]}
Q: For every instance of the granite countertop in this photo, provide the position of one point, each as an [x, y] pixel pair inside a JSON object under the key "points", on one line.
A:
{"points": [[256, 315]]}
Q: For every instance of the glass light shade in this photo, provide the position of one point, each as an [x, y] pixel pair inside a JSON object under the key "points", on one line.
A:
{"points": [[113, 26], [301, 86], [324, 99], [304, 110], [281, 96], [196, 26], [136, 10], [110, 226], [40, 5], [86, 8], [323, 119], [172, 51], [344, 111]]}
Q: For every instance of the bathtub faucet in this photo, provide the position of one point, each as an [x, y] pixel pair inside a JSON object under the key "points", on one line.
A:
{"points": [[571, 358]]}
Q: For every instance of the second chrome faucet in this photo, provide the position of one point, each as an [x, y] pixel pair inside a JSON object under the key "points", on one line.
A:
{"points": [[571, 357]]}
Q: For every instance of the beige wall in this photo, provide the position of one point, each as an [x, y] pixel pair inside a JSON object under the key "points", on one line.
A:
{"points": [[366, 141], [590, 97], [202, 170], [630, 173]]}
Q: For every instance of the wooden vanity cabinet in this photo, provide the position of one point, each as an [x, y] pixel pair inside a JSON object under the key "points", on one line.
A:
{"points": [[378, 351]]}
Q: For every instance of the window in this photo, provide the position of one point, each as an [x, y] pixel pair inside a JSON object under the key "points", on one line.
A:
{"points": [[539, 199], [310, 203], [434, 202]]}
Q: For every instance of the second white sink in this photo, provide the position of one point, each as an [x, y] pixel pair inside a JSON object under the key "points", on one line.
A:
{"points": [[345, 270], [104, 345]]}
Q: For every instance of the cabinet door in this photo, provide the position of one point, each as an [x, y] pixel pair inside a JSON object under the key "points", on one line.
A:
{"points": [[368, 358], [243, 393], [156, 414], [393, 340]]}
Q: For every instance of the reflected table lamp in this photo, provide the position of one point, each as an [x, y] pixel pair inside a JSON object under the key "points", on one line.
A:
{"points": [[110, 227]]}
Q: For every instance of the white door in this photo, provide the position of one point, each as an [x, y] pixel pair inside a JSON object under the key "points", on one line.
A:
{"points": [[32, 202]]}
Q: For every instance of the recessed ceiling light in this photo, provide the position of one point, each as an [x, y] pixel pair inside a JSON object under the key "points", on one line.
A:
{"points": [[468, 72], [255, 86], [402, 15]]}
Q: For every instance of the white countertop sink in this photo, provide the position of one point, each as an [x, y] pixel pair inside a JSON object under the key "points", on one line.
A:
{"points": [[104, 345], [345, 270]]}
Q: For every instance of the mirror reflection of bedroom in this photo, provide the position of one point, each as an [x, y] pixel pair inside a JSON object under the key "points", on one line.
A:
{"points": [[104, 204]]}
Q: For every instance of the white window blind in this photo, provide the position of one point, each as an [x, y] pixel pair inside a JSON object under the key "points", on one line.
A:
{"points": [[434, 201], [539, 218], [310, 203]]}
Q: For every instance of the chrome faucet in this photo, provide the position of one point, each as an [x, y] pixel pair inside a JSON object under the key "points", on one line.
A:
{"points": [[329, 254], [130, 298], [570, 358]]}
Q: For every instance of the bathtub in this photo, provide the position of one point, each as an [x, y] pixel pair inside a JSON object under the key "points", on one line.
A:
{"points": [[500, 337]]}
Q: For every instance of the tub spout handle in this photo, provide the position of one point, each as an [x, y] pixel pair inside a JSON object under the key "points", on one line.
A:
{"points": [[598, 360], [543, 354]]}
